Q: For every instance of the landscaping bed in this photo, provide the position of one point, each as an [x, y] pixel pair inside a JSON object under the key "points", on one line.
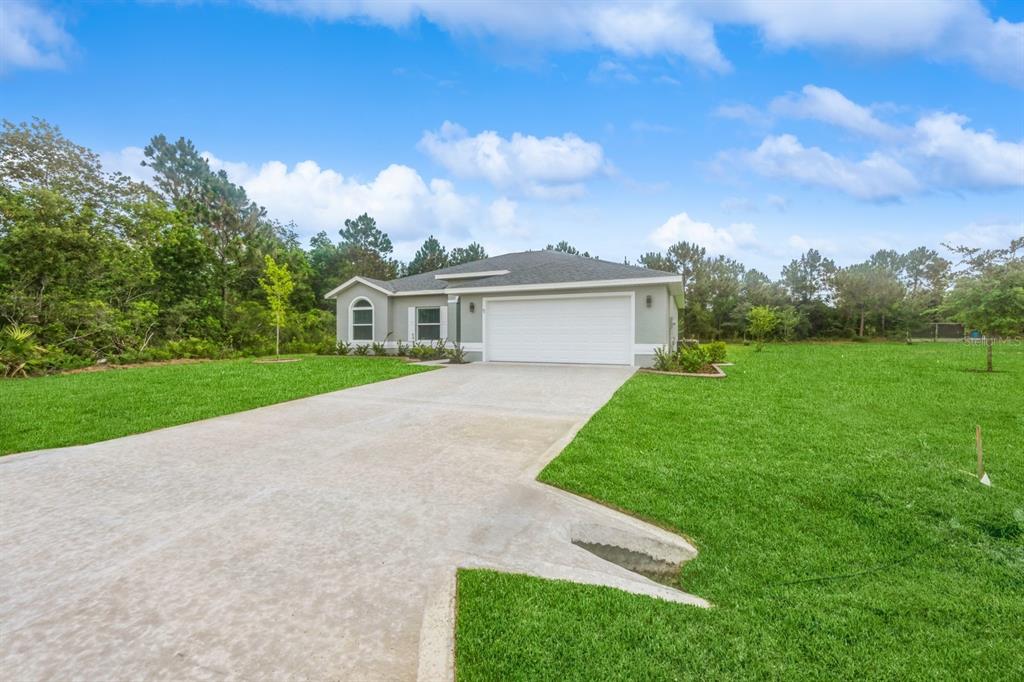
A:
{"points": [[843, 534], [691, 359]]}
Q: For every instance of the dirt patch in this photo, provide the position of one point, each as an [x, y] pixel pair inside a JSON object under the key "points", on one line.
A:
{"points": [[135, 365], [275, 361]]}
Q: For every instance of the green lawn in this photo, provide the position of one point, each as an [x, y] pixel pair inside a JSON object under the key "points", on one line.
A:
{"points": [[841, 534], [72, 409]]}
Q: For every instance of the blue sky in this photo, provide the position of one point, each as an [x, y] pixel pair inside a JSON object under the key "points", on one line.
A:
{"points": [[755, 129]]}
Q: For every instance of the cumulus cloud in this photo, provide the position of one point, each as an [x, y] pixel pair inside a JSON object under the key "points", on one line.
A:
{"points": [[963, 157], [877, 177], [404, 204], [946, 30], [548, 167], [831, 106], [985, 235], [128, 161], [718, 240], [800, 244], [642, 29], [940, 151], [504, 217], [31, 38]]}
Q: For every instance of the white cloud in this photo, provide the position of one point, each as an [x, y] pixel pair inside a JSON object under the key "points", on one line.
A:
{"points": [[127, 161], [985, 235], [405, 205], [962, 157], [725, 240], [801, 244], [504, 217], [318, 198], [641, 29], [744, 112], [938, 152], [876, 177], [31, 38], [609, 70], [549, 167], [946, 30], [831, 106]]}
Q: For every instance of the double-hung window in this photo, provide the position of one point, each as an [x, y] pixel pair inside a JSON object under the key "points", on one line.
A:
{"points": [[362, 320], [428, 324]]}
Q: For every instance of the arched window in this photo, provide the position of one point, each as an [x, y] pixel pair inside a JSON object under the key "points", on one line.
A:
{"points": [[361, 320]]}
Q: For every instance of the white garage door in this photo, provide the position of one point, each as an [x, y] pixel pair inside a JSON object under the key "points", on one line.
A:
{"points": [[578, 329]]}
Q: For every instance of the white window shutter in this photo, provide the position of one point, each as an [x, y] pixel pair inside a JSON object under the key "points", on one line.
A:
{"points": [[412, 323], [444, 323]]}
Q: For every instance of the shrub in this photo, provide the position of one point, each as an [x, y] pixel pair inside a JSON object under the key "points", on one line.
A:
{"points": [[403, 350], [20, 355], [343, 348], [138, 356], [326, 347], [195, 348], [421, 352], [716, 351], [665, 360], [457, 355], [694, 358], [379, 349], [361, 349]]}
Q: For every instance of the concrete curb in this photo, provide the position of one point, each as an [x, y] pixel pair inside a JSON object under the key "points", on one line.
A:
{"points": [[719, 374], [437, 631]]}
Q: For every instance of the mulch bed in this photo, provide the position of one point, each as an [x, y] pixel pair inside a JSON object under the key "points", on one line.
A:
{"points": [[710, 372]]}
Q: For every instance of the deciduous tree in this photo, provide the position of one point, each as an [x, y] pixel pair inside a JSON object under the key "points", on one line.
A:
{"points": [[277, 284]]}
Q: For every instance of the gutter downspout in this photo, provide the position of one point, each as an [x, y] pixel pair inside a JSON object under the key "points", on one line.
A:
{"points": [[456, 301]]}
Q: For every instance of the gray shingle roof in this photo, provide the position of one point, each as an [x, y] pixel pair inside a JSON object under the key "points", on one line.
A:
{"points": [[525, 267]]}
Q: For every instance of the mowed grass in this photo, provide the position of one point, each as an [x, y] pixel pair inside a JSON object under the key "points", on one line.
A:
{"points": [[73, 409], [829, 490]]}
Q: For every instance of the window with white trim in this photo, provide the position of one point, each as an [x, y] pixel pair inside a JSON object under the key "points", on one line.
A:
{"points": [[428, 324], [362, 320]]}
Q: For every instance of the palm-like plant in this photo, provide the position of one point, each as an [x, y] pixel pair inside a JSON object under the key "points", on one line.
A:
{"points": [[18, 351]]}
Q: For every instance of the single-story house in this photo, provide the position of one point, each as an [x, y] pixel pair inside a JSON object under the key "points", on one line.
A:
{"points": [[533, 306]]}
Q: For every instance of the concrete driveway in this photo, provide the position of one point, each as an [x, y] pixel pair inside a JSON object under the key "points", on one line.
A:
{"points": [[310, 540]]}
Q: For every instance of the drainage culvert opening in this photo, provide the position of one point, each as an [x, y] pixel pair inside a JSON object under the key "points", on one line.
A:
{"points": [[664, 572]]}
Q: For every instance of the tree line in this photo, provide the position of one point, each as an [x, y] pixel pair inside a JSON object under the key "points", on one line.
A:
{"points": [[96, 265], [891, 294]]}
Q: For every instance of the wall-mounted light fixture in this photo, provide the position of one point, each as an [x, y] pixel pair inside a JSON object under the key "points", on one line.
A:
{"points": [[472, 307], [650, 300]]}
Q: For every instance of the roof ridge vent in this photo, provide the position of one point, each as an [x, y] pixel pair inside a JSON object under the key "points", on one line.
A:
{"points": [[472, 275]]}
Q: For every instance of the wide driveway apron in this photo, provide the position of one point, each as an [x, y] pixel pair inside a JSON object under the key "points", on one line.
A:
{"points": [[296, 541]]}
